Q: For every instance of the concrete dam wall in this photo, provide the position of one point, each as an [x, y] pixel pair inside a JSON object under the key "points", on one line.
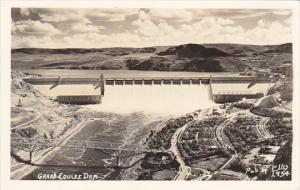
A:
{"points": [[92, 90]]}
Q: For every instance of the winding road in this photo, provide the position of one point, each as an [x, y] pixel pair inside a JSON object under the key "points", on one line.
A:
{"points": [[261, 128], [184, 170]]}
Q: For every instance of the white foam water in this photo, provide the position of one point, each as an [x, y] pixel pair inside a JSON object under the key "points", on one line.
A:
{"points": [[155, 99]]}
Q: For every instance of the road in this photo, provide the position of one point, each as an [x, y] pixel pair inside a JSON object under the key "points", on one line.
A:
{"points": [[184, 170], [261, 128], [221, 137], [228, 161], [224, 141]]}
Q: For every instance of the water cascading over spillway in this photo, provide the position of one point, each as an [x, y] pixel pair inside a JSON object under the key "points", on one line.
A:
{"points": [[160, 99]]}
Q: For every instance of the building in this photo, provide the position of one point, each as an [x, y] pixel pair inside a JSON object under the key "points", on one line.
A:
{"points": [[79, 99], [222, 98], [71, 90], [74, 93], [232, 92]]}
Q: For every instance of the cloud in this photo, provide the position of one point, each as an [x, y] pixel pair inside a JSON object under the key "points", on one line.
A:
{"points": [[230, 13], [25, 11], [176, 15], [96, 28], [31, 27], [63, 15], [143, 15], [86, 28], [261, 23], [207, 30], [223, 21], [212, 30], [109, 15], [96, 40], [33, 41], [86, 15], [271, 33], [146, 28], [283, 12]]}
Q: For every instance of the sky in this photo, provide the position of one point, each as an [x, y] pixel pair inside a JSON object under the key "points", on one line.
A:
{"points": [[115, 27]]}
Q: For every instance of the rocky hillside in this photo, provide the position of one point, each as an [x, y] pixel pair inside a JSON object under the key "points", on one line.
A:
{"points": [[34, 115], [187, 57]]}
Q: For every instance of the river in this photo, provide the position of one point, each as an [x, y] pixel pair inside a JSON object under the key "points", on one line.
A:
{"points": [[109, 128]]}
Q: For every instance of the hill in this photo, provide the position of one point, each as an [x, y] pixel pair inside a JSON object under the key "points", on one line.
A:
{"points": [[283, 48], [193, 51], [187, 57]]}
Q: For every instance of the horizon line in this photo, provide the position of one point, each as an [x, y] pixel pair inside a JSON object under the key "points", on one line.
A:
{"points": [[153, 46]]}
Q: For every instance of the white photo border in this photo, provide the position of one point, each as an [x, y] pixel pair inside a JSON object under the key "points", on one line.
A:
{"points": [[5, 56]]}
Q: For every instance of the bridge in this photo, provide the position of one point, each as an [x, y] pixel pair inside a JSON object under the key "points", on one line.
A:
{"points": [[116, 149], [138, 149]]}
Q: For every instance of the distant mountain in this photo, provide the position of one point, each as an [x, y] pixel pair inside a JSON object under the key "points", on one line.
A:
{"points": [[186, 57]]}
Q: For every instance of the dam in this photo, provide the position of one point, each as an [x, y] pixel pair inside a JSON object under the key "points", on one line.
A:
{"points": [[145, 92], [143, 80]]}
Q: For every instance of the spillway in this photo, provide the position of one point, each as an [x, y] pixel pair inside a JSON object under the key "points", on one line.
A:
{"points": [[166, 99]]}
